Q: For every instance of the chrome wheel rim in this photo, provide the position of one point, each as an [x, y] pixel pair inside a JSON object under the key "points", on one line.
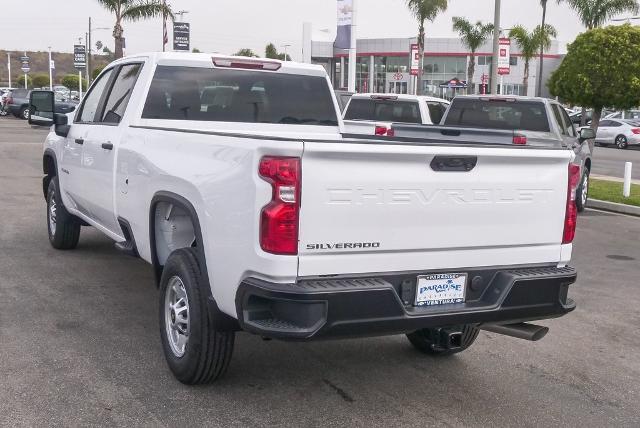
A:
{"points": [[585, 190], [176, 316], [53, 215], [621, 142], [25, 115]]}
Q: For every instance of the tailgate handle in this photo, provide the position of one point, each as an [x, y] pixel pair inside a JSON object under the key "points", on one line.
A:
{"points": [[454, 163]]}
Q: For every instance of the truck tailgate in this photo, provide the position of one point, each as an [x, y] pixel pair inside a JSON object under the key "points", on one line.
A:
{"points": [[390, 207]]}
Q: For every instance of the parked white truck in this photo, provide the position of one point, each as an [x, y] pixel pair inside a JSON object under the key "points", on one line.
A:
{"points": [[231, 177]]}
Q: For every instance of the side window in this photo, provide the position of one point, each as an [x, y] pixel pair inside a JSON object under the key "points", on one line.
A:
{"points": [[120, 93], [558, 116], [436, 111], [614, 124], [92, 101], [571, 131], [605, 123]]}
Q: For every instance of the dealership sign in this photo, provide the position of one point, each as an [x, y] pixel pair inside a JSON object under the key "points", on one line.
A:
{"points": [[79, 57], [25, 67], [345, 21], [504, 64], [181, 36], [415, 59]]}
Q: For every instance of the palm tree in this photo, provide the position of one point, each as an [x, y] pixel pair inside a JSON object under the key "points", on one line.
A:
{"points": [[529, 42], [595, 13], [133, 10], [472, 36], [424, 10]]}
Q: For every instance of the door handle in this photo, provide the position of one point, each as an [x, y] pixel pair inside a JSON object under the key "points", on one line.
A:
{"points": [[107, 146], [79, 141]]}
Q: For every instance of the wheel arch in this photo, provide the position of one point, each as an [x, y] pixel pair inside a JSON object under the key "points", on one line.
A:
{"points": [[587, 164], [49, 168], [224, 321]]}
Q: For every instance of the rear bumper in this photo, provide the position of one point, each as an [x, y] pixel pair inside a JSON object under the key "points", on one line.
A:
{"points": [[383, 304]]}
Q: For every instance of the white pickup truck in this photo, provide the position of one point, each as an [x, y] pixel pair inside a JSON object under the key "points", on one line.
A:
{"points": [[231, 177], [374, 114]]}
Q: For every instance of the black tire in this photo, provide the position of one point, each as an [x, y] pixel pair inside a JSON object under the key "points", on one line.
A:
{"points": [[63, 228], [582, 193], [207, 352], [621, 142], [24, 113], [423, 340]]}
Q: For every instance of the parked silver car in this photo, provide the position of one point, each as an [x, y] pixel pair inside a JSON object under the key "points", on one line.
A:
{"points": [[619, 132]]}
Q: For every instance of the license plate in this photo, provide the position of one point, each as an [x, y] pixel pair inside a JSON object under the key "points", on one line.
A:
{"points": [[441, 289]]}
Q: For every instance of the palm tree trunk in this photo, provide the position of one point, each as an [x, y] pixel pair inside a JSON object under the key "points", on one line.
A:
{"points": [[525, 80], [544, 19], [470, 71], [421, 49], [119, 41]]}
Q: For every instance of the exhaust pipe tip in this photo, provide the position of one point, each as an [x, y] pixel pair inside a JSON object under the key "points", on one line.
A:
{"points": [[524, 331]]}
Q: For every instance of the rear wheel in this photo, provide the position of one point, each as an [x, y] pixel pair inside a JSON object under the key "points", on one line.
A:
{"points": [[196, 350], [63, 228], [582, 194], [427, 341], [621, 142], [24, 113]]}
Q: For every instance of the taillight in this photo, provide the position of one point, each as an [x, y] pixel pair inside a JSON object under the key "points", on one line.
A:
{"points": [[391, 132], [381, 130], [519, 139], [280, 217], [636, 130], [571, 214]]}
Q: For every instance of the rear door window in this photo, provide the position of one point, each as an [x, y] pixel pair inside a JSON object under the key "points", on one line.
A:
{"points": [[498, 114], [205, 94], [383, 110]]}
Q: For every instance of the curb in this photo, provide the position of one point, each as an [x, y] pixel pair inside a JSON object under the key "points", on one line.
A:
{"points": [[614, 207]]}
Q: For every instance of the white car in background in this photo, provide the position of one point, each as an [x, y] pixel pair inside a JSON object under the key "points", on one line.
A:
{"points": [[619, 132], [373, 114], [627, 114]]}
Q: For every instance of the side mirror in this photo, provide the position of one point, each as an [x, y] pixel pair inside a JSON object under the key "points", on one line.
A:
{"points": [[586, 134], [41, 108], [61, 122]]}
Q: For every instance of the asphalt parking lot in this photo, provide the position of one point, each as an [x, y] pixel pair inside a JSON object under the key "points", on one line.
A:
{"points": [[79, 343]]}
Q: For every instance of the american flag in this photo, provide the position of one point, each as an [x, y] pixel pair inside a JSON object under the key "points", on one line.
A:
{"points": [[165, 34]]}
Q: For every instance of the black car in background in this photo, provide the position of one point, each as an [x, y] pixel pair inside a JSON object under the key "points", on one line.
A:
{"points": [[18, 104]]}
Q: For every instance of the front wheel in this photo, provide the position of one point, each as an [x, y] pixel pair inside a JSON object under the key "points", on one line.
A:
{"points": [[196, 351], [63, 228], [621, 142], [582, 194], [426, 340], [25, 113]]}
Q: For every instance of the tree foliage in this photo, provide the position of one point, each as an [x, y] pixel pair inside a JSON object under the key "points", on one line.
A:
{"points": [[271, 52], [20, 82], [423, 11], [473, 36], [71, 82], [601, 69], [96, 72], [529, 43], [246, 52], [40, 80], [133, 10], [595, 13]]}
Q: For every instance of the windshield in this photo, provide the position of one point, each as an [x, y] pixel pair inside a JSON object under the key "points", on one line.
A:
{"points": [[204, 94], [499, 114]]}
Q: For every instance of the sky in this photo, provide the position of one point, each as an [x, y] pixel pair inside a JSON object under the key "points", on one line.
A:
{"points": [[225, 26]]}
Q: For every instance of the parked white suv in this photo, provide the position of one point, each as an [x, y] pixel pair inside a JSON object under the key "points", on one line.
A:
{"points": [[373, 114], [231, 177]]}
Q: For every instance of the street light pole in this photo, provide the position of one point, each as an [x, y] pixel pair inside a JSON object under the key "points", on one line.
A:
{"points": [[50, 72], [89, 54], [286, 46], [496, 48], [9, 67]]}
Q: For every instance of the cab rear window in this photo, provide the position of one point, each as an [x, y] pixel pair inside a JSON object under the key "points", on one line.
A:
{"points": [[204, 94], [499, 114], [383, 111]]}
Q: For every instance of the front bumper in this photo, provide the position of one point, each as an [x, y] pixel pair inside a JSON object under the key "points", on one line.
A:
{"points": [[383, 304]]}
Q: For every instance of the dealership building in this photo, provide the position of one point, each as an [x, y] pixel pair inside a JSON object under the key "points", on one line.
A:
{"points": [[383, 65]]}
